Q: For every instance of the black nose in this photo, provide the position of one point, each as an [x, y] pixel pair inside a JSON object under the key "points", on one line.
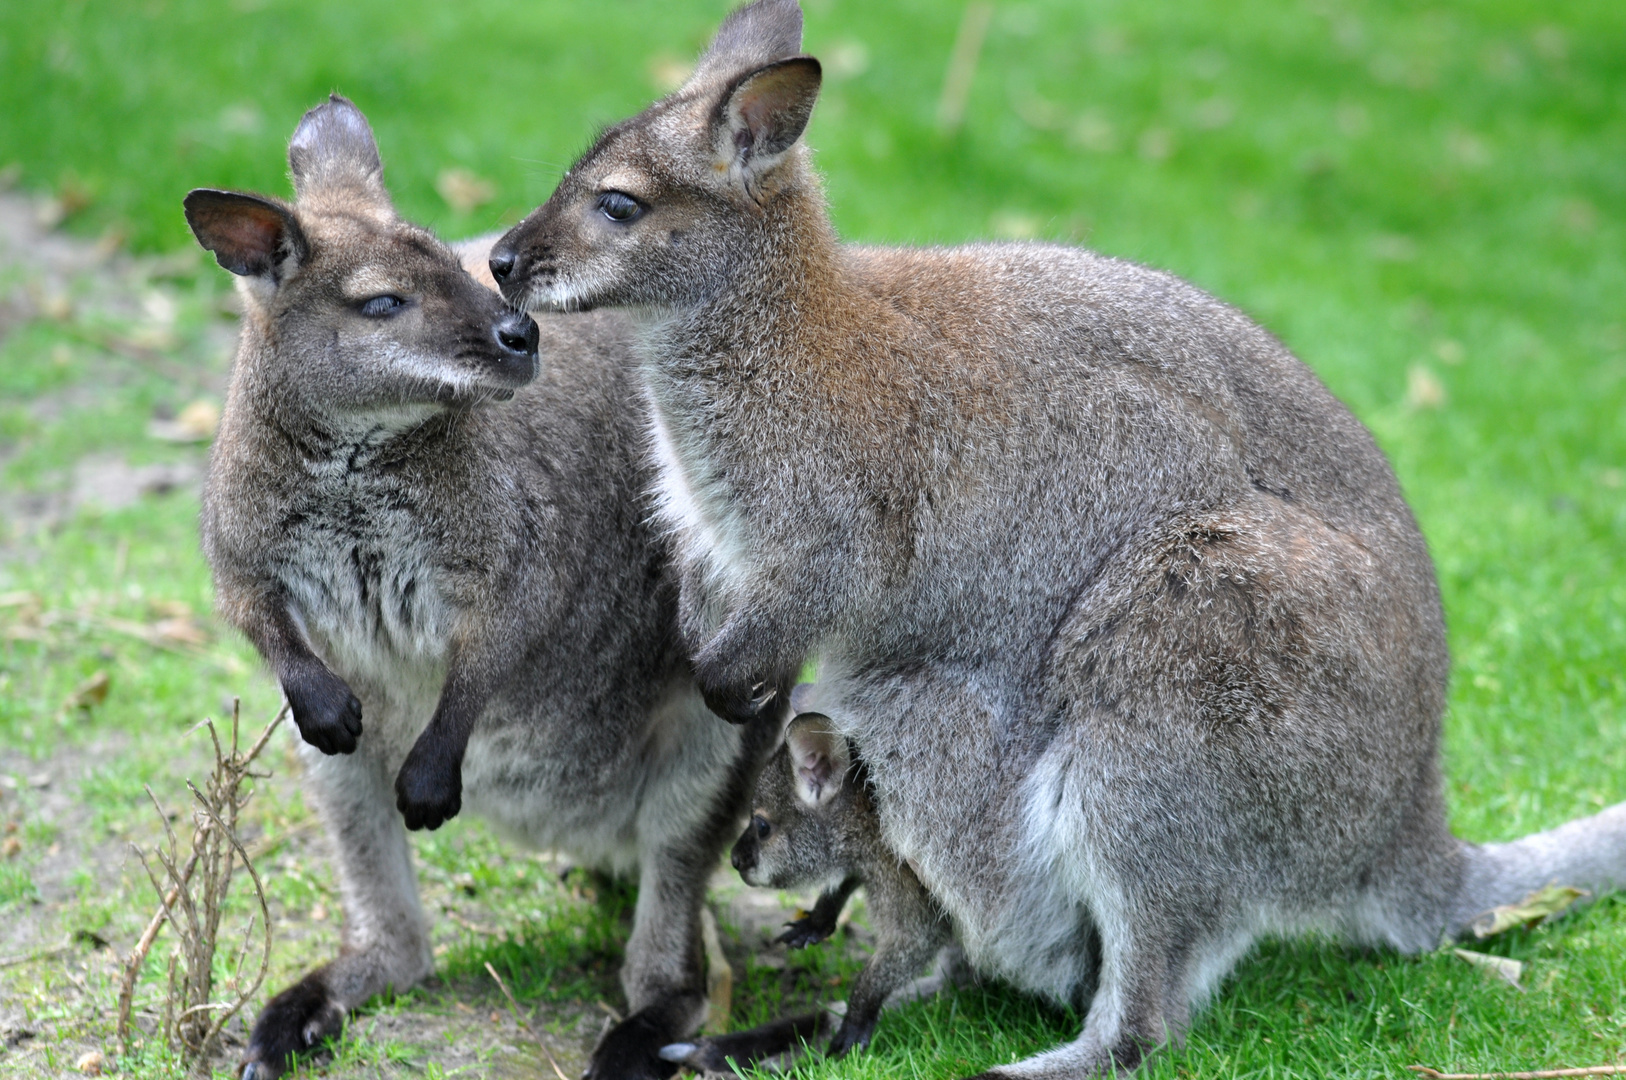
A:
{"points": [[502, 263], [738, 858], [517, 333]]}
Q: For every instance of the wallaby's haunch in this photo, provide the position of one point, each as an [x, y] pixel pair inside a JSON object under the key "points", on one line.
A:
{"points": [[427, 570], [1123, 610]]}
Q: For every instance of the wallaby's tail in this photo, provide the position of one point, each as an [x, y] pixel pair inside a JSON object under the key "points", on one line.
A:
{"points": [[1588, 853]]}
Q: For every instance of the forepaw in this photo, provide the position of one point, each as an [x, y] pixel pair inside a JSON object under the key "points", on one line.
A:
{"points": [[803, 931], [294, 1022], [429, 788], [632, 1051], [326, 712]]}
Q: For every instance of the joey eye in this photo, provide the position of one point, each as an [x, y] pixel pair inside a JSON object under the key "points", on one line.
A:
{"points": [[380, 306], [760, 824], [619, 206]]}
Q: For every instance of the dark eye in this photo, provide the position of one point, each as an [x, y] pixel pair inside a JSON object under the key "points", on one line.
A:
{"points": [[619, 206], [760, 824], [380, 306]]}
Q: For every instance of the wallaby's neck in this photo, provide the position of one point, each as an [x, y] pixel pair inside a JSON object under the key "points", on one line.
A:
{"points": [[784, 288]]}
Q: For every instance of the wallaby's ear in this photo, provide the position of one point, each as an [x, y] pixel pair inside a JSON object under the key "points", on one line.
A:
{"points": [[764, 112], [754, 35], [333, 149], [251, 235], [820, 757]]}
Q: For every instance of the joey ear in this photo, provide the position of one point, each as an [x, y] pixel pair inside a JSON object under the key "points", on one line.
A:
{"points": [[765, 111], [251, 235], [754, 35], [334, 148], [819, 757]]}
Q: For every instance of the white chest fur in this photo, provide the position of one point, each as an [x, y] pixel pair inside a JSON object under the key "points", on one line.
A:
{"points": [[693, 504]]}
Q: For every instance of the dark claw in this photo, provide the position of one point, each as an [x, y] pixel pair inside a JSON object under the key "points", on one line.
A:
{"points": [[738, 705], [805, 931]]}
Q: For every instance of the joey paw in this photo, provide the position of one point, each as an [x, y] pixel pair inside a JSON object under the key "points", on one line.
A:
{"points": [[294, 1022], [804, 931], [326, 712], [429, 788]]}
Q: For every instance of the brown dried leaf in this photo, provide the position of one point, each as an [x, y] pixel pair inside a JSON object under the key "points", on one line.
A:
{"points": [[93, 691], [1543, 904]]}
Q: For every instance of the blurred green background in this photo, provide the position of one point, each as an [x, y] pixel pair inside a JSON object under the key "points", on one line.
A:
{"points": [[1427, 201]]}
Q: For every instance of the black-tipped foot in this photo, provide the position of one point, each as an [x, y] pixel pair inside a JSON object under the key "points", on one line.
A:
{"points": [[295, 1022], [632, 1051], [722, 1053], [807, 930]]}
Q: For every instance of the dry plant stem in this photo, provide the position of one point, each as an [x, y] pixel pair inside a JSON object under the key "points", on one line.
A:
{"points": [[192, 899], [513, 1008], [1543, 1074]]}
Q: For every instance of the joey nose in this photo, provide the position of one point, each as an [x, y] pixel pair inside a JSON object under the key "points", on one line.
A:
{"points": [[517, 334], [502, 263]]}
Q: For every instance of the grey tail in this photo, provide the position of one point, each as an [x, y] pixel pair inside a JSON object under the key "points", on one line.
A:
{"points": [[1588, 853]]}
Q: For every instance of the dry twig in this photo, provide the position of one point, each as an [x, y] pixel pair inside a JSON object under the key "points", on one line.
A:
{"points": [[192, 895]]}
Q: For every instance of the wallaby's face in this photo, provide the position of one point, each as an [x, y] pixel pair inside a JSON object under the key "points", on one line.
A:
{"points": [[657, 212], [800, 811], [366, 317]]}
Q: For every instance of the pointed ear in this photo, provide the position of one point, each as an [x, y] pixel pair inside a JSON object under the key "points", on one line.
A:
{"points": [[334, 148], [251, 236], [819, 756], [754, 35], [764, 112]]}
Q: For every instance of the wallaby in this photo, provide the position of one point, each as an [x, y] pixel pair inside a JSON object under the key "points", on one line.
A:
{"points": [[427, 568], [1139, 642], [813, 824]]}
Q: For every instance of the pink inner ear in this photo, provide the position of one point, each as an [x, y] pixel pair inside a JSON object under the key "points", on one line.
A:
{"points": [[251, 230]]}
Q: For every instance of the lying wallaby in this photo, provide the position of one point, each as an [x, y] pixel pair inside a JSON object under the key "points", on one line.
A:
{"points": [[1124, 611], [813, 824], [427, 569]]}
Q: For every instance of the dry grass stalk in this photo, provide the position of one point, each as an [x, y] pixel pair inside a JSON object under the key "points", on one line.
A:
{"points": [[192, 895], [513, 1009]]}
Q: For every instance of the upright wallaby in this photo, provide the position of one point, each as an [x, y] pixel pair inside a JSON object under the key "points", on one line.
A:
{"points": [[1123, 610], [413, 556]]}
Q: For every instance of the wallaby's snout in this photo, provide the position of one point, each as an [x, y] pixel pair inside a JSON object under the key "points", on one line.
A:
{"points": [[517, 336]]}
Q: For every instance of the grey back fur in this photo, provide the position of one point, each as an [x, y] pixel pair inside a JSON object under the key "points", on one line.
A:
{"points": [[446, 559], [1124, 612]]}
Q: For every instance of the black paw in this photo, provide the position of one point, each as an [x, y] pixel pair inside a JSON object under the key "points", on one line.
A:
{"points": [[327, 713], [736, 702], [851, 1036], [632, 1051], [429, 787], [804, 931], [296, 1021]]}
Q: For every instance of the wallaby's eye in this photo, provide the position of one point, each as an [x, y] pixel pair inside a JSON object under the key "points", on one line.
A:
{"points": [[619, 206], [380, 306], [760, 824]]}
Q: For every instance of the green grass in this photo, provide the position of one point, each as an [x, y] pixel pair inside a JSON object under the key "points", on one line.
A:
{"points": [[1428, 203]]}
